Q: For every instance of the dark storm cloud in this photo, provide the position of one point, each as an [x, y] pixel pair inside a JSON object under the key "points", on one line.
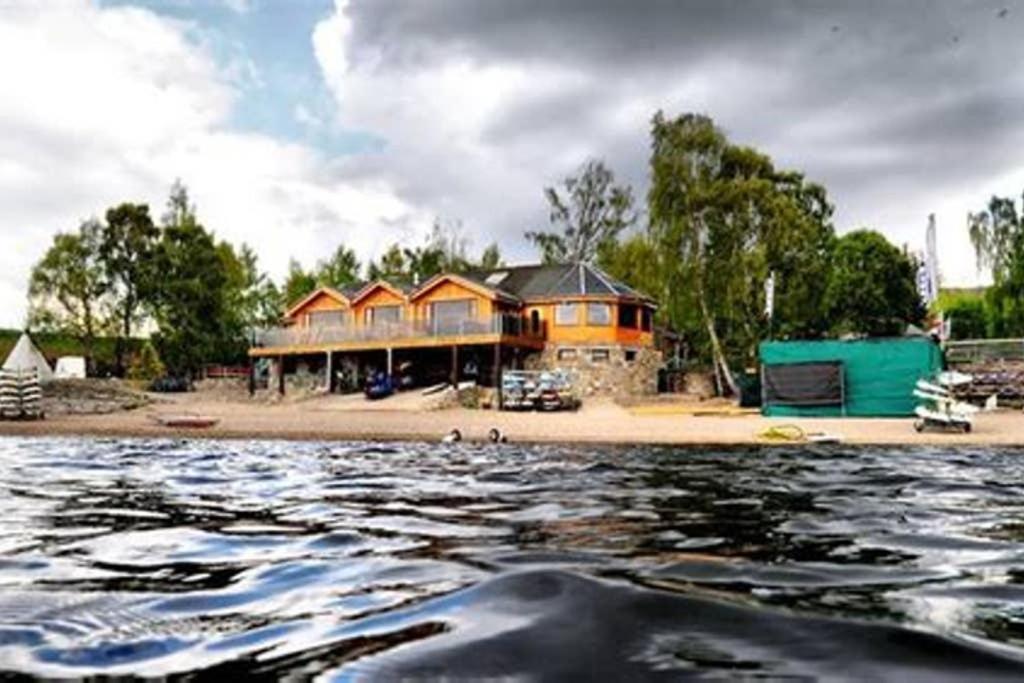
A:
{"points": [[887, 103]]}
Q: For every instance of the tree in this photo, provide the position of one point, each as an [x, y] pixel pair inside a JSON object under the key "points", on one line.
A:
{"points": [[127, 245], [146, 365], [254, 295], [997, 234], [968, 316], [298, 284], [490, 258], [872, 287], [592, 211], [340, 270], [722, 219], [392, 265], [192, 297], [68, 288], [637, 261]]}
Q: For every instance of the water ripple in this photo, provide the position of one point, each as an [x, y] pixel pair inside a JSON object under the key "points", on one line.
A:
{"points": [[362, 560]]}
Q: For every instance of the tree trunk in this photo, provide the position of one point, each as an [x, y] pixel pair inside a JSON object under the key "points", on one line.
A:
{"points": [[717, 356]]}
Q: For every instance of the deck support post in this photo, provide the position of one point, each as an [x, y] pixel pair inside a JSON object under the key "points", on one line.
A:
{"points": [[280, 375], [496, 373], [455, 365], [252, 377], [330, 373], [391, 362]]}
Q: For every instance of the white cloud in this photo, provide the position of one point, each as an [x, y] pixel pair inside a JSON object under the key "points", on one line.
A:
{"points": [[114, 104]]}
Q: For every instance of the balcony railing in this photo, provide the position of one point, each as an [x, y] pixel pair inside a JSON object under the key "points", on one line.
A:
{"points": [[314, 335]]}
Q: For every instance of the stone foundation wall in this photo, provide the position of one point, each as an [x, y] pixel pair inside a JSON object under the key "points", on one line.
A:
{"points": [[603, 370]]}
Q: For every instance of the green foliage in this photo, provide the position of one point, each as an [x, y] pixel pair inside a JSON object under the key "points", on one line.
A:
{"points": [[392, 266], [997, 234], [68, 288], [871, 289], [722, 218], [491, 257], [298, 284], [146, 364], [127, 246], [636, 261], [340, 270], [967, 312], [253, 298], [192, 299], [592, 212]]}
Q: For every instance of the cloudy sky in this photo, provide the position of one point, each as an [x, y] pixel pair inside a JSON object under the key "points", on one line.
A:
{"points": [[301, 124]]}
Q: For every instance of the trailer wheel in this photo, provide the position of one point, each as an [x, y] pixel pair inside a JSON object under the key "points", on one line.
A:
{"points": [[918, 425]]}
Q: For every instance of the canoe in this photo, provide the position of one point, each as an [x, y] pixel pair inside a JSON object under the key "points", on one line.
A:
{"points": [[189, 421]]}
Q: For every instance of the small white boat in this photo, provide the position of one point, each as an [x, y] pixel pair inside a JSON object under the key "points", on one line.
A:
{"points": [[934, 418], [940, 409]]}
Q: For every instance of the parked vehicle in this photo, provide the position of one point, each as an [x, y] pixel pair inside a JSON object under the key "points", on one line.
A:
{"points": [[170, 385], [378, 385]]}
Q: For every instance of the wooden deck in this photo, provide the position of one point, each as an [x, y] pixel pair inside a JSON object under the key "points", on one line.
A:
{"points": [[414, 342]]}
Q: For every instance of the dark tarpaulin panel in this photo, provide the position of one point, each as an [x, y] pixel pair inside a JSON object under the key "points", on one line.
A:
{"points": [[804, 384]]}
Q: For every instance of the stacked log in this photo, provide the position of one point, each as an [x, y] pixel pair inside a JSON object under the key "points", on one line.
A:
{"points": [[1004, 379], [21, 397]]}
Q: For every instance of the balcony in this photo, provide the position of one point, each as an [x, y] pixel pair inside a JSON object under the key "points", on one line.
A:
{"points": [[499, 327]]}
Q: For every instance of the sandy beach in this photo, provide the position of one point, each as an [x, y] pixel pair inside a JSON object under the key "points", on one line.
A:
{"points": [[352, 418]]}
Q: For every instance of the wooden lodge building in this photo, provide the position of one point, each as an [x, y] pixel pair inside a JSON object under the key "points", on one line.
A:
{"points": [[468, 326]]}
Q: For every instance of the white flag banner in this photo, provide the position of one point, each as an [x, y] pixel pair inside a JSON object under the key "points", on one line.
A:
{"points": [[932, 259]]}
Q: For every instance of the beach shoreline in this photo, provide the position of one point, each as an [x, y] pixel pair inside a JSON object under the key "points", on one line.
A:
{"points": [[598, 422]]}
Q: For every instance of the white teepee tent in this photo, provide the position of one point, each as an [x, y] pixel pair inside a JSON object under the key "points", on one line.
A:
{"points": [[25, 356]]}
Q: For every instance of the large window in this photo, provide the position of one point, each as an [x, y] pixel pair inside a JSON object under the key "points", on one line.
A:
{"points": [[599, 314], [382, 315], [457, 316], [328, 318], [567, 314]]}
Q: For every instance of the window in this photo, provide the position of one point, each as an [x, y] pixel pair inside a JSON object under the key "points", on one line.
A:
{"points": [[630, 355], [456, 316], [495, 279], [535, 321], [645, 320], [599, 314], [567, 354], [628, 316], [567, 314], [382, 315], [328, 318], [600, 355]]}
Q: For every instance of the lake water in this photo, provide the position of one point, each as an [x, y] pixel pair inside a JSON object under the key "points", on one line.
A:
{"points": [[365, 561]]}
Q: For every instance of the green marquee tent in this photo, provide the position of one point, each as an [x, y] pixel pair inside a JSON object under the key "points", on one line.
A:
{"points": [[862, 378]]}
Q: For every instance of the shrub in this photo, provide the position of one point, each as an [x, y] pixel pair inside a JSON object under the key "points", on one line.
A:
{"points": [[146, 364]]}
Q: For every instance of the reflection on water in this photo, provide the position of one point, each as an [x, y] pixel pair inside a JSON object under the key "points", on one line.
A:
{"points": [[369, 560]]}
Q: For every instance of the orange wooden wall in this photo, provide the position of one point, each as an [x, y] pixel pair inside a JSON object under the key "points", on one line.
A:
{"points": [[380, 296], [448, 290]]}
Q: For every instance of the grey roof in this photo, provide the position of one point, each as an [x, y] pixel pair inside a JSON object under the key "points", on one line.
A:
{"points": [[562, 279]]}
